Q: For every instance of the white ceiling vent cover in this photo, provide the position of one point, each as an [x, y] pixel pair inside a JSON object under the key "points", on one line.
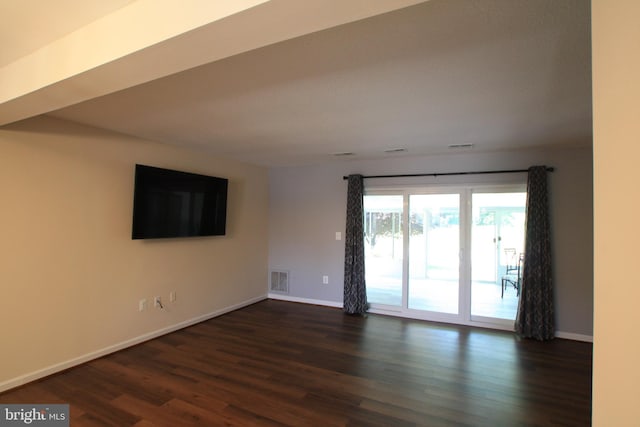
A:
{"points": [[279, 282]]}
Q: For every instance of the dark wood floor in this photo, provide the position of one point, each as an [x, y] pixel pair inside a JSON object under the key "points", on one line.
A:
{"points": [[279, 363]]}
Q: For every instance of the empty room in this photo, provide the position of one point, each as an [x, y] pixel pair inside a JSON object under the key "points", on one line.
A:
{"points": [[284, 212]]}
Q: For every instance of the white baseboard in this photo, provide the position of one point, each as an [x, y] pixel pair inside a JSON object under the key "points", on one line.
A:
{"points": [[305, 300], [574, 337], [41, 373]]}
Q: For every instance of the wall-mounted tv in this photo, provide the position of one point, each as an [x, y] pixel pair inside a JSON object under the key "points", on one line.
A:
{"points": [[169, 203]]}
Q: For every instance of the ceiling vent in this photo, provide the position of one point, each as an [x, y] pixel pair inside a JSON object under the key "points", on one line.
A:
{"points": [[460, 146]]}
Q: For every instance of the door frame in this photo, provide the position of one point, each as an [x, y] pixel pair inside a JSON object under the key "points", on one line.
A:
{"points": [[466, 191]]}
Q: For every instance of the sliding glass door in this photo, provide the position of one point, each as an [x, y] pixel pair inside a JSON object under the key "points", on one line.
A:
{"points": [[497, 243], [434, 247], [445, 255], [384, 248]]}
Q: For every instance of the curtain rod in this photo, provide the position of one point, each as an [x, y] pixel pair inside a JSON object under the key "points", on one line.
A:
{"points": [[408, 175]]}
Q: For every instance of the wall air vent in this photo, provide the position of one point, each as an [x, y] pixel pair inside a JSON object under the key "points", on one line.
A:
{"points": [[279, 282]]}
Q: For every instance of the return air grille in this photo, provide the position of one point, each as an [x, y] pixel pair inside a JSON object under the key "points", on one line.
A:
{"points": [[279, 282]]}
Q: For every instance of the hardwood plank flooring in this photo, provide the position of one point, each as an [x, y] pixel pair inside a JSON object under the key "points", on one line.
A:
{"points": [[277, 363]]}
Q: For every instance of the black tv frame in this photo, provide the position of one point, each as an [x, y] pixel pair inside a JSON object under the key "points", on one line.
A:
{"points": [[169, 203]]}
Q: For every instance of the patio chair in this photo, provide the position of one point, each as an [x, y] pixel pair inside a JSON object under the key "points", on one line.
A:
{"points": [[513, 273]]}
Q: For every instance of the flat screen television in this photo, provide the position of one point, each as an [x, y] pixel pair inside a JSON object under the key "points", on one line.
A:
{"points": [[169, 203]]}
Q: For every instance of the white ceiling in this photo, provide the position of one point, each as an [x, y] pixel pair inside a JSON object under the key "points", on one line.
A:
{"points": [[500, 74]]}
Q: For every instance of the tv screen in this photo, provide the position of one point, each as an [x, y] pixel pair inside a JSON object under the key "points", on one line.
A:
{"points": [[169, 203]]}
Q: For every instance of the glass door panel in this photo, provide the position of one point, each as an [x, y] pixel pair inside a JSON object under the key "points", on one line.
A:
{"points": [[497, 240], [384, 240], [434, 248]]}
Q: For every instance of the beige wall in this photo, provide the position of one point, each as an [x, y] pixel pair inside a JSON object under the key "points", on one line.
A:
{"points": [[616, 96], [70, 275], [616, 100]]}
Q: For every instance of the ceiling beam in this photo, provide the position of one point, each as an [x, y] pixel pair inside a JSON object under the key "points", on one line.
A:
{"points": [[147, 40]]}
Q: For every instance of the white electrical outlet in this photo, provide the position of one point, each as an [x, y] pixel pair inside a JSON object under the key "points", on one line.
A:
{"points": [[338, 235], [142, 304], [172, 296], [325, 280]]}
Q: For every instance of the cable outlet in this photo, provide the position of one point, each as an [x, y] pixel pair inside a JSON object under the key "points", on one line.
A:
{"points": [[157, 302]]}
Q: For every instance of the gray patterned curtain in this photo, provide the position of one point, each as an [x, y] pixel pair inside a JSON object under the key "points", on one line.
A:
{"points": [[535, 308], [355, 293]]}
